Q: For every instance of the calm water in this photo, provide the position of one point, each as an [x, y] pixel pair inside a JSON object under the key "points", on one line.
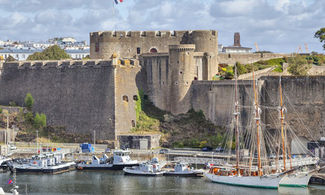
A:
{"points": [[110, 182]]}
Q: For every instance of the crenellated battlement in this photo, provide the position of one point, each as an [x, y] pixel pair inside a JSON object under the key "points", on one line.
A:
{"points": [[70, 64], [151, 34]]}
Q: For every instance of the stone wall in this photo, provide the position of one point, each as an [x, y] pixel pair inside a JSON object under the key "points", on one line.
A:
{"points": [[126, 95], [303, 98], [133, 141], [79, 95], [132, 43], [216, 100], [231, 59]]}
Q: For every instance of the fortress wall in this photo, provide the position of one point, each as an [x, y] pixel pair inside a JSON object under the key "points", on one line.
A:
{"points": [[303, 98], [157, 69], [75, 94], [125, 44], [216, 100], [231, 59], [125, 85]]}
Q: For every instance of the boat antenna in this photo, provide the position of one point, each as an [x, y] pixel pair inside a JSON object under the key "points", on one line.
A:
{"points": [[236, 114]]}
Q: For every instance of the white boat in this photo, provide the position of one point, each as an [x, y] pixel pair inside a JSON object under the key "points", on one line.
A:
{"points": [[44, 163], [13, 191], [183, 170], [120, 159], [151, 168], [237, 174], [268, 181]]}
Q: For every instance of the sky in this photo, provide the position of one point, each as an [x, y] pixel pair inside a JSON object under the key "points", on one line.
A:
{"points": [[275, 25]]}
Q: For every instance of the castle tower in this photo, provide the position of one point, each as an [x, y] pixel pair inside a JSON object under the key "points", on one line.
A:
{"points": [[181, 74], [237, 39], [207, 42]]}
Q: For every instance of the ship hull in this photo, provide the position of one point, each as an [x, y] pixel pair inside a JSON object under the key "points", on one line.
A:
{"points": [[49, 170], [271, 182], [105, 166], [295, 180]]}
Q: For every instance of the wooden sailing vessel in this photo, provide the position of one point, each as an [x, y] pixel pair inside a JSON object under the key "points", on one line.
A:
{"points": [[240, 175]]}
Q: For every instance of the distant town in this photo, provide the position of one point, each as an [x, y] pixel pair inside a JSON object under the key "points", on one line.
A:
{"points": [[20, 50]]}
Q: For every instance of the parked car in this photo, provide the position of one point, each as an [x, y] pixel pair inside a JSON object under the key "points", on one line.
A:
{"points": [[207, 149], [220, 149], [11, 146], [163, 151]]}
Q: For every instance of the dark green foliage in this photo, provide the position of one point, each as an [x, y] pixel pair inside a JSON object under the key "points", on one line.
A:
{"points": [[320, 34], [51, 53], [29, 101], [10, 59], [0, 110], [241, 68], [298, 66], [39, 121]]}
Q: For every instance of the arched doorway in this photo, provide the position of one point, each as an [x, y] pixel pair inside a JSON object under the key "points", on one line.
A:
{"points": [[153, 50]]}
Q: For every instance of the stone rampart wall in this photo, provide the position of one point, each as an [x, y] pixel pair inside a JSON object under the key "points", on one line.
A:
{"points": [[132, 43], [232, 58], [79, 95], [303, 97]]}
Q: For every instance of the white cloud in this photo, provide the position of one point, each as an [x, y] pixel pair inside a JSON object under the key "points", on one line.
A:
{"points": [[277, 25]]}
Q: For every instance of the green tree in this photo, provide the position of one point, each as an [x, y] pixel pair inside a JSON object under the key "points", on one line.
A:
{"points": [[51, 53], [241, 69], [39, 120], [29, 101], [320, 34], [298, 66], [10, 59]]}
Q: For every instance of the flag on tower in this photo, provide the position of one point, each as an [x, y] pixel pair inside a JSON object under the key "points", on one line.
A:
{"points": [[117, 1]]}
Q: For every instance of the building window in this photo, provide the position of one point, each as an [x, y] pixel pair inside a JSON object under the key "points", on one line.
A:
{"points": [[125, 98], [133, 123], [135, 98], [153, 50], [138, 50]]}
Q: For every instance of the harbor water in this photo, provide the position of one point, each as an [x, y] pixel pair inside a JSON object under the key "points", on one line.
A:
{"points": [[115, 182]]}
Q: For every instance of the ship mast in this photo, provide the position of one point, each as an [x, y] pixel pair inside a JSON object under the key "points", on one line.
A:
{"points": [[237, 122], [282, 127], [257, 118]]}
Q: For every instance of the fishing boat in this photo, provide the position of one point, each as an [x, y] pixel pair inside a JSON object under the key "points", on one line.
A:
{"points": [[184, 170], [43, 163], [238, 174], [150, 168], [120, 159]]}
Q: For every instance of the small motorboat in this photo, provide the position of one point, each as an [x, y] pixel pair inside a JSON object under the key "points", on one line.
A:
{"points": [[43, 163], [120, 159], [151, 168], [184, 170]]}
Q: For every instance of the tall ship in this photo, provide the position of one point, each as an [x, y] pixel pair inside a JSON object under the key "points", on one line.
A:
{"points": [[120, 159], [258, 169]]}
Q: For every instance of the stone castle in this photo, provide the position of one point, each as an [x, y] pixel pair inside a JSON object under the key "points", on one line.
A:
{"points": [[173, 68]]}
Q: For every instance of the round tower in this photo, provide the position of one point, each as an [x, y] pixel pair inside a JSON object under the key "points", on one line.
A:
{"points": [[207, 41], [181, 74]]}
